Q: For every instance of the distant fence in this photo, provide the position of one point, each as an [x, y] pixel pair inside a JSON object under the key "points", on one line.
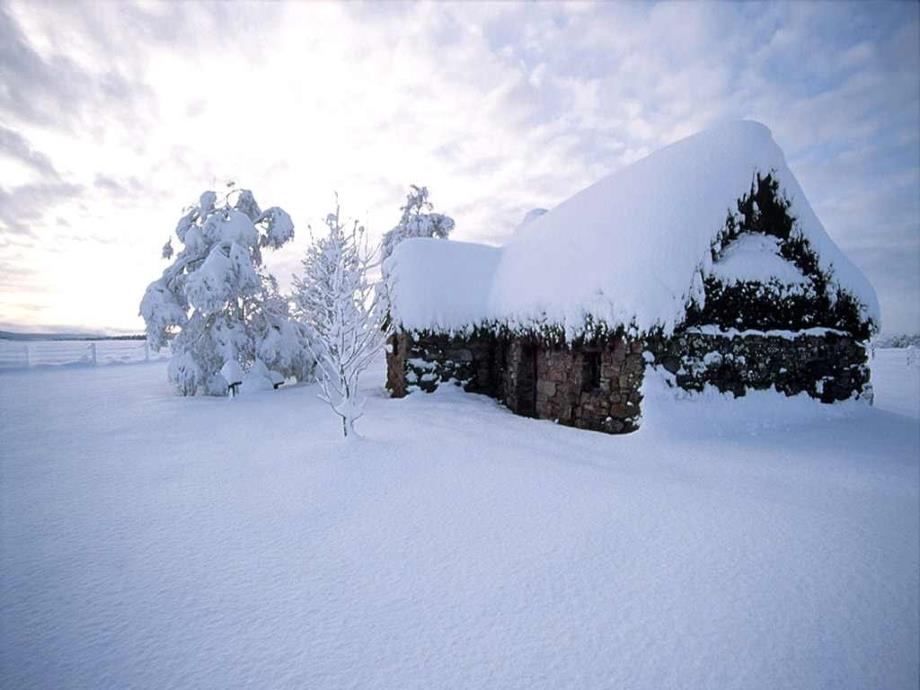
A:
{"points": [[19, 354]]}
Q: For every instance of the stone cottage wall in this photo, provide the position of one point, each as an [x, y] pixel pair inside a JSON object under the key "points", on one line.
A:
{"points": [[562, 393], [828, 366], [540, 380], [429, 360], [531, 377]]}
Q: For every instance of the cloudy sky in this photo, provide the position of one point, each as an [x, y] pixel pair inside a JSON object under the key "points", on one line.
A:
{"points": [[113, 117]]}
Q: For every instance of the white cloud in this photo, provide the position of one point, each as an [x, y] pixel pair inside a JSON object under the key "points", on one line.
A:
{"points": [[497, 107]]}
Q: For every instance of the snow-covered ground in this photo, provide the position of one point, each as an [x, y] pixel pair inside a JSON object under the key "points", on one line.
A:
{"points": [[153, 541], [896, 380]]}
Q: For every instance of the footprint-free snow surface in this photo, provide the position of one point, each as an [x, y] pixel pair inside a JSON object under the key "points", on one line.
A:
{"points": [[153, 541]]}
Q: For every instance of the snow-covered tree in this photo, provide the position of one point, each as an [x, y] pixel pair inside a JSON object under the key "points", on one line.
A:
{"points": [[345, 311], [417, 221], [280, 342], [215, 302]]}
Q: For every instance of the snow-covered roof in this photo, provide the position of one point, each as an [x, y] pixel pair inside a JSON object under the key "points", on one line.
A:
{"points": [[441, 285], [629, 249]]}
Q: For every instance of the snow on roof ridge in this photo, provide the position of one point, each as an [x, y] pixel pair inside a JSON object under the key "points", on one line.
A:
{"points": [[440, 285], [593, 255]]}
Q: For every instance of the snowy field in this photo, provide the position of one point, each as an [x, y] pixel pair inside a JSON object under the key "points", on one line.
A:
{"points": [[153, 541], [896, 381]]}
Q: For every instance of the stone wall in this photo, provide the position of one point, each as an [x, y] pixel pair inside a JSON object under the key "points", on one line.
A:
{"points": [[828, 367], [562, 392], [596, 385], [429, 360], [531, 377]]}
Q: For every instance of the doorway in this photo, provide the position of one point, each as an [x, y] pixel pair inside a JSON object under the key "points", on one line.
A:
{"points": [[526, 397]]}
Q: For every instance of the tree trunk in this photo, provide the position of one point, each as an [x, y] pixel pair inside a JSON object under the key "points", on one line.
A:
{"points": [[348, 427]]}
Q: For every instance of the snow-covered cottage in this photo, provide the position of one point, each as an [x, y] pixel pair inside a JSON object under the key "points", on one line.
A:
{"points": [[704, 259]]}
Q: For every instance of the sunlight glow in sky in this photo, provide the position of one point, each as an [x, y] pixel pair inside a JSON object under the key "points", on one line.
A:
{"points": [[113, 117]]}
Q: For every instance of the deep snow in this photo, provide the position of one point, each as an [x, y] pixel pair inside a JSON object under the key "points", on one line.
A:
{"points": [[149, 540]]}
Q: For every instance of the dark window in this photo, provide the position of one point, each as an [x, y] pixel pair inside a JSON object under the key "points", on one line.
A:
{"points": [[527, 382], [590, 371]]}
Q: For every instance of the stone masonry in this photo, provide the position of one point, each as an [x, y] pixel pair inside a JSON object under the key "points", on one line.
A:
{"points": [[427, 361], [603, 397], [591, 387], [829, 366], [596, 385]]}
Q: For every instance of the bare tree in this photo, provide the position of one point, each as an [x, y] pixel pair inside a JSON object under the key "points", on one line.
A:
{"points": [[345, 310]]}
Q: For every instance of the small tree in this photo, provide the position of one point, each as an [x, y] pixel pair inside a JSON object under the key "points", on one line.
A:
{"points": [[214, 301], [345, 312], [417, 221]]}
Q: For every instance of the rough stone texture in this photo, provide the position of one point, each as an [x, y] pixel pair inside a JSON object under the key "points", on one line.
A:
{"points": [[828, 367], [561, 392], [531, 377], [547, 381], [426, 361]]}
